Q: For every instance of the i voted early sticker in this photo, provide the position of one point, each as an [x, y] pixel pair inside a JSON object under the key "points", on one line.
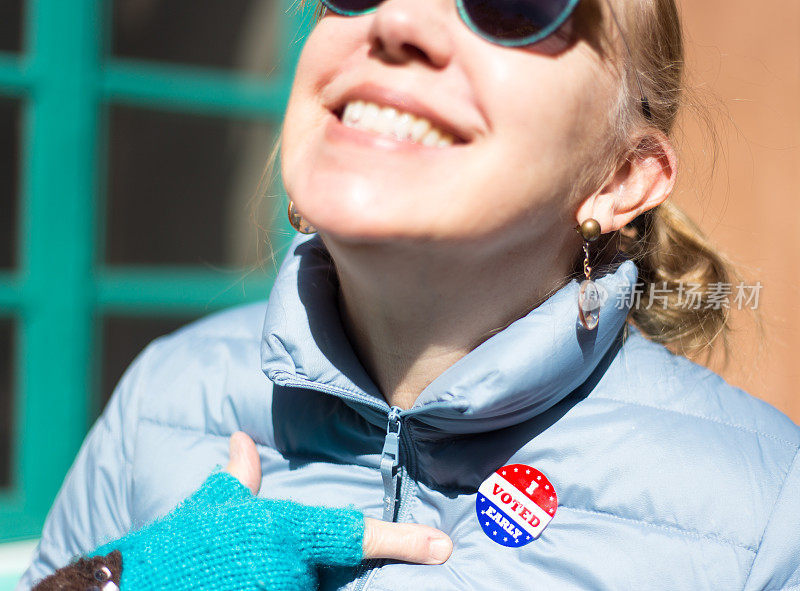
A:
{"points": [[515, 504]]}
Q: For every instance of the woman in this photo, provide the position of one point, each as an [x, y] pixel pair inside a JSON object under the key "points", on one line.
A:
{"points": [[427, 355]]}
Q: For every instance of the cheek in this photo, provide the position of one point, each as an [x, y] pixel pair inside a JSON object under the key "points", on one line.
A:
{"points": [[300, 107], [326, 52], [550, 123]]}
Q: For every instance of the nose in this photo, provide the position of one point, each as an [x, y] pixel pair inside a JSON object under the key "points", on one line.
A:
{"points": [[405, 30]]}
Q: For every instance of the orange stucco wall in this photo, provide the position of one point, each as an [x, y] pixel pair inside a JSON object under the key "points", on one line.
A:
{"points": [[744, 63]]}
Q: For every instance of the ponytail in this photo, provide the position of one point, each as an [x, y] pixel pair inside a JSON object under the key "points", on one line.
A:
{"points": [[680, 274]]}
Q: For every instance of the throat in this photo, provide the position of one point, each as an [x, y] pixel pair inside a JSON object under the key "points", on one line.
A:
{"points": [[411, 314], [402, 382]]}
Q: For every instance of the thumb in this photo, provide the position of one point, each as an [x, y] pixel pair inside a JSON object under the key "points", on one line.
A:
{"points": [[409, 542], [245, 463]]}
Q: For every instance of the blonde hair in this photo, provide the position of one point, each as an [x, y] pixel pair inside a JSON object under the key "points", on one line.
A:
{"points": [[669, 250]]}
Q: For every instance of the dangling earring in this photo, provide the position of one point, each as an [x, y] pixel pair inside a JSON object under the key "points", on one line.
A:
{"points": [[297, 221], [589, 296]]}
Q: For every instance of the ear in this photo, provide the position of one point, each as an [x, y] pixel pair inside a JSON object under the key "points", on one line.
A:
{"points": [[643, 181]]}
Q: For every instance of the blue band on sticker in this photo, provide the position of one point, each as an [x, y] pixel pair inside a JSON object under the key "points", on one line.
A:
{"points": [[499, 526]]}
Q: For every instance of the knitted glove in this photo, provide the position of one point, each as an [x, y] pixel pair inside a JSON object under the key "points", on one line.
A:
{"points": [[222, 537]]}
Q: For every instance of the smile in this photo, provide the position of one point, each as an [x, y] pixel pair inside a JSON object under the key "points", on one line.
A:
{"points": [[395, 124]]}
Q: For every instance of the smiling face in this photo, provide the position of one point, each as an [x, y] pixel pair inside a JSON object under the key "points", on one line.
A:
{"points": [[403, 124]]}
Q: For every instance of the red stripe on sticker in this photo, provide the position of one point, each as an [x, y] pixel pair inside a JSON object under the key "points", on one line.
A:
{"points": [[533, 484]]}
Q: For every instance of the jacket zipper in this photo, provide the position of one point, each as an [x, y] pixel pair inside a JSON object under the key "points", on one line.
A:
{"points": [[393, 486], [390, 458]]}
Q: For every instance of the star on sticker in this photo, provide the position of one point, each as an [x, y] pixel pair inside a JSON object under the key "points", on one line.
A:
{"points": [[550, 510], [487, 523], [504, 472], [505, 539], [516, 469], [546, 487], [494, 533], [552, 498], [527, 471], [538, 478]]}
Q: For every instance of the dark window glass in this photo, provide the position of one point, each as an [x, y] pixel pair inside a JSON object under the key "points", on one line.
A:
{"points": [[180, 188], [10, 25], [9, 167], [6, 401], [230, 34], [123, 338]]}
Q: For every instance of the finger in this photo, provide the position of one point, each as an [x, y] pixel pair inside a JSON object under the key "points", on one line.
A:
{"points": [[409, 542], [245, 463]]}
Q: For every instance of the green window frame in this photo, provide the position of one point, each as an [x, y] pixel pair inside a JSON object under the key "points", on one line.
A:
{"points": [[64, 80]]}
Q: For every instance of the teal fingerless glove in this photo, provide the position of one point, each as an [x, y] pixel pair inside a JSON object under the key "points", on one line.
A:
{"points": [[222, 537]]}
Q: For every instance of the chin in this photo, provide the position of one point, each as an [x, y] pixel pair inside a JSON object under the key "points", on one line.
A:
{"points": [[354, 208], [357, 228], [357, 213], [375, 230]]}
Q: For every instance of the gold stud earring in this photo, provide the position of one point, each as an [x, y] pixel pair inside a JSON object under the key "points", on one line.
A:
{"points": [[590, 295], [297, 221]]}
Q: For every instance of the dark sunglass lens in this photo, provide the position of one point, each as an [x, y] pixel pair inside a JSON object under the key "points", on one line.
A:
{"points": [[351, 7], [514, 19]]}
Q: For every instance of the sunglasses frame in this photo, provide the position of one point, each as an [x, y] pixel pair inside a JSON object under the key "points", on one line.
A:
{"points": [[462, 11], [530, 39]]}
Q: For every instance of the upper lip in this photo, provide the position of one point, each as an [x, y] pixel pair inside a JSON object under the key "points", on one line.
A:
{"points": [[401, 101]]}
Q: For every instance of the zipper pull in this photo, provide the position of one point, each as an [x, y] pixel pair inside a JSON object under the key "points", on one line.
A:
{"points": [[390, 458]]}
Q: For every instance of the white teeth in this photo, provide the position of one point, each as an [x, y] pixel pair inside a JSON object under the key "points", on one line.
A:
{"points": [[390, 122], [353, 112], [386, 119], [431, 138], [437, 138], [419, 128], [369, 117], [402, 126]]}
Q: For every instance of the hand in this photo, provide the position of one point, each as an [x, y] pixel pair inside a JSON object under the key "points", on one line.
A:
{"points": [[224, 537], [400, 541]]}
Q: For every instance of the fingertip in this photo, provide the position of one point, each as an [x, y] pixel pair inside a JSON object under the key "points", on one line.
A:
{"points": [[441, 547], [241, 442], [245, 463], [416, 543]]}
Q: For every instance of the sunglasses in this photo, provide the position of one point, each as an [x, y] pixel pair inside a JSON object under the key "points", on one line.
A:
{"points": [[511, 23]]}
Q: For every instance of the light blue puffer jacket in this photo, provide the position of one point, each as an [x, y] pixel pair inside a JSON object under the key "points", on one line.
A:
{"points": [[665, 476]]}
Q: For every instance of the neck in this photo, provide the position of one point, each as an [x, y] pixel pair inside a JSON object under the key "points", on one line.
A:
{"points": [[412, 311]]}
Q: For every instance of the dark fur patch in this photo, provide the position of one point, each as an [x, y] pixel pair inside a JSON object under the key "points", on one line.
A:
{"points": [[80, 575]]}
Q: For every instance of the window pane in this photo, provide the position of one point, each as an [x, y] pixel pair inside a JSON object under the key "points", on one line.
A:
{"points": [[123, 339], [180, 187], [10, 25], [6, 400], [9, 167], [231, 34]]}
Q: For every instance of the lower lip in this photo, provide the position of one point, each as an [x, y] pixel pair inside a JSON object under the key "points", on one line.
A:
{"points": [[339, 133]]}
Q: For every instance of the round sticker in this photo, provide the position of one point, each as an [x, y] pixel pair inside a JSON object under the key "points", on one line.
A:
{"points": [[515, 504]]}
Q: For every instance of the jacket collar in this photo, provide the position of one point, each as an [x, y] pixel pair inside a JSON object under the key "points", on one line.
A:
{"points": [[513, 376]]}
